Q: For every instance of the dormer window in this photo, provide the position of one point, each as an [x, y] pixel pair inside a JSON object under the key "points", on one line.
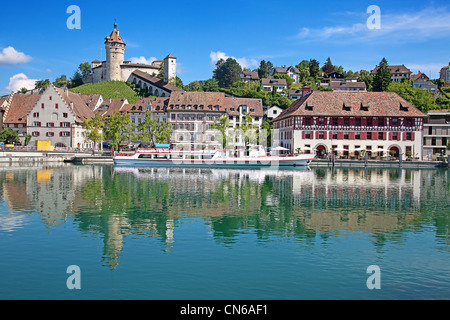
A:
{"points": [[309, 107], [364, 106], [347, 107], [404, 108]]}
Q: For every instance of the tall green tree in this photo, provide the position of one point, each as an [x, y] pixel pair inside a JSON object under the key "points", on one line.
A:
{"points": [[94, 129], [262, 70], [382, 78], [422, 99], [328, 67], [314, 68], [210, 85], [41, 84], [118, 128], [222, 124], [227, 72]]}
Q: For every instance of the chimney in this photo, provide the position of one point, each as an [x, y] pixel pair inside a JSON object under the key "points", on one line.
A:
{"points": [[306, 91]]}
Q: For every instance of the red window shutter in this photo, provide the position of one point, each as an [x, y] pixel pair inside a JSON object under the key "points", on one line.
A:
{"points": [[56, 106], [412, 136], [325, 135], [364, 122], [60, 134], [352, 121], [68, 133], [42, 106], [317, 134], [404, 136], [303, 134], [351, 136], [363, 135], [340, 121], [340, 135]]}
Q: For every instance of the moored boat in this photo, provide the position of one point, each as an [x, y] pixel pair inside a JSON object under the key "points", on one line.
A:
{"points": [[170, 156]]}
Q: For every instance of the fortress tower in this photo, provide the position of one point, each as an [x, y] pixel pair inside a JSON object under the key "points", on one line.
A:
{"points": [[115, 52], [170, 69]]}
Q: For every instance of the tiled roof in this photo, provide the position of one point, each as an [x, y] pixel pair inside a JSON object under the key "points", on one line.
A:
{"points": [[347, 84], [375, 104], [79, 107], [272, 82], [252, 75], [114, 37], [205, 99], [156, 81], [394, 69], [252, 104], [91, 100], [21, 105]]}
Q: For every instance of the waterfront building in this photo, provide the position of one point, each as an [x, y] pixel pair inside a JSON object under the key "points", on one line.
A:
{"points": [[436, 134], [57, 116], [16, 107], [398, 72], [349, 123]]}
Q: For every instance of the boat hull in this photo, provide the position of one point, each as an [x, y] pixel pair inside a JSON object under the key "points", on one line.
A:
{"points": [[247, 163]]}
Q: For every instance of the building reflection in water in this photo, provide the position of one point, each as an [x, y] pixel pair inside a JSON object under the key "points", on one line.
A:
{"points": [[112, 203]]}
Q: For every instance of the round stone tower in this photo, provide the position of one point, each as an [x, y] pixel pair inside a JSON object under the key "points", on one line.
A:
{"points": [[115, 53]]}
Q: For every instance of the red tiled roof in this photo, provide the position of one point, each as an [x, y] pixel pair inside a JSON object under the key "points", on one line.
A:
{"points": [[375, 104], [156, 81], [79, 106], [21, 105], [394, 69]]}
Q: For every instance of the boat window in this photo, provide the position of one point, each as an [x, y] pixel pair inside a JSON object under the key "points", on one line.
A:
{"points": [[145, 156]]}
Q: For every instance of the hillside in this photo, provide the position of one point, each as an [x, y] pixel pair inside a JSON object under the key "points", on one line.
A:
{"points": [[109, 90]]}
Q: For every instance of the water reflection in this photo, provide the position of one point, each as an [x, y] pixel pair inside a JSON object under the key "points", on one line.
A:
{"points": [[113, 203]]}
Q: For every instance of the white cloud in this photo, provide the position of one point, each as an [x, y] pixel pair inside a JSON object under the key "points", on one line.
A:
{"points": [[244, 62], [20, 81], [413, 26], [10, 56], [142, 60]]}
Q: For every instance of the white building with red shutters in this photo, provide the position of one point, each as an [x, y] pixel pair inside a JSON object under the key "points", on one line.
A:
{"points": [[348, 123]]}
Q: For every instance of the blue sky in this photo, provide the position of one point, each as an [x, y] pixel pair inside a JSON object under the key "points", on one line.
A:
{"points": [[35, 42]]}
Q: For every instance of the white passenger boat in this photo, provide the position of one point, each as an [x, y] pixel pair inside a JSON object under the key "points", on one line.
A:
{"points": [[170, 156]]}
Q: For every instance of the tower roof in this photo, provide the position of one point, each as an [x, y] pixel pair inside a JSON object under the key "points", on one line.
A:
{"points": [[114, 37], [170, 56]]}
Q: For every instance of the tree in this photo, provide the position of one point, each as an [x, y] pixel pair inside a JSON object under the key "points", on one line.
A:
{"points": [[94, 129], [210, 85], [61, 81], [365, 76], [118, 128], [248, 128], [268, 127], [222, 124], [227, 72], [85, 68], [23, 90], [9, 136], [262, 70], [77, 79], [382, 79], [148, 128], [328, 67], [314, 68], [42, 84], [270, 68], [422, 99]]}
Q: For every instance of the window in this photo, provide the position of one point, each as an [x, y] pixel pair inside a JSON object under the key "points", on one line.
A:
{"points": [[36, 115], [321, 135], [56, 105], [395, 122], [335, 121], [65, 124], [42, 106], [50, 124], [358, 122], [346, 136], [409, 136], [172, 116], [307, 134], [65, 134], [346, 121], [50, 134], [65, 115], [380, 135], [308, 121], [358, 135], [369, 135], [335, 135], [35, 134], [369, 122], [394, 135], [36, 124], [50, 98]]}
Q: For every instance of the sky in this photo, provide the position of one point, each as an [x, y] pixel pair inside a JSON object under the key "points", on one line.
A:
{"points": [[36, 41]]}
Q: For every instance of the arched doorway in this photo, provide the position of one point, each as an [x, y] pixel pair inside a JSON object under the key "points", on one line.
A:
{"points": [[321, 150], [394, 151]]}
